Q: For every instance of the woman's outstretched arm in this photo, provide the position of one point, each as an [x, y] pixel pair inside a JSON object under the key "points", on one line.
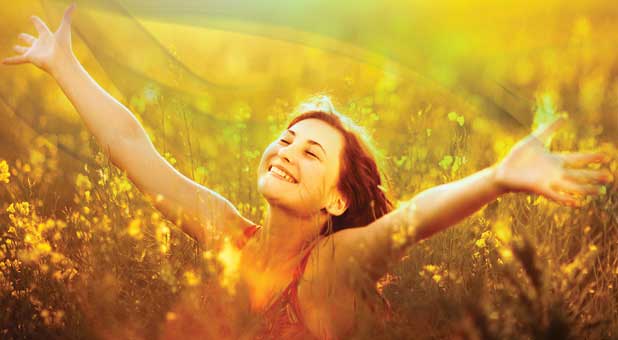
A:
{"points": [[349, 261], [192, 206], [529, 167], [356, 257]]}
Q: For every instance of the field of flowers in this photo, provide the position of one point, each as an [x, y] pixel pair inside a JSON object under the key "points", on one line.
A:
{"points": [[83, 254]]}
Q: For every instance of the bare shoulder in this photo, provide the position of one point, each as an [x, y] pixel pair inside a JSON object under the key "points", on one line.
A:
{"points": [[330, 287]]}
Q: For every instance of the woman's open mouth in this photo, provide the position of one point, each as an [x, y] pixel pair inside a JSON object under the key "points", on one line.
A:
{"points": [[280, 174]]}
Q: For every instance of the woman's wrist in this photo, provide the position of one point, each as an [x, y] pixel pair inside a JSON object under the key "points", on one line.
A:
{"points": [[65, 62], [496, 179]]}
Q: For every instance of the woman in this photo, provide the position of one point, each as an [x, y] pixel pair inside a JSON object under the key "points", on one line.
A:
{"points": [[325, 203]]}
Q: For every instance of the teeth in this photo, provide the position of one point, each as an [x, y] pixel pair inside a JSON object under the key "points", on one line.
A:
{"points": [[282, 174]]}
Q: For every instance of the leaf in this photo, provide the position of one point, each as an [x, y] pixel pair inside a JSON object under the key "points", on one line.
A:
{"points": [[446, 162], [399, 161]]}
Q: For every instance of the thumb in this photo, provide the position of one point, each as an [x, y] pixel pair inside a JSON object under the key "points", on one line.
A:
{"points": [[66, 19], [545, 131]]}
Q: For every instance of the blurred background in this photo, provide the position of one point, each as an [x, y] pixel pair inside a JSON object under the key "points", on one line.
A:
{"points": [[444, 88]]}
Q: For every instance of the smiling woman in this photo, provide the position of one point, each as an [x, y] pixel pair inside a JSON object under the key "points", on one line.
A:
{"points": [[330, 231]]}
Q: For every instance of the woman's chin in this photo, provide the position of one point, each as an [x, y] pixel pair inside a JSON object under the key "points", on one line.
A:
{"points": [[276, 191], [269, 181], [270, 188]]}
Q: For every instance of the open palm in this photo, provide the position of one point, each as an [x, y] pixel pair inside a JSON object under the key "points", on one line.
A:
{"points": [[48, 48], [562, 177]]}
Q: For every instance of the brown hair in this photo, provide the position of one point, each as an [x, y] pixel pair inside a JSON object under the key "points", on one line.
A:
{"points": [[359, 179]]}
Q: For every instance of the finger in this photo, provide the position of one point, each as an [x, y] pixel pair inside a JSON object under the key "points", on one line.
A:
{"points": [[576, 188], [40, 25], [20, 49], [588, 176], [27, 38], [66, 19], [561, 198], [580, 159], [20, 59], [545, 131]]}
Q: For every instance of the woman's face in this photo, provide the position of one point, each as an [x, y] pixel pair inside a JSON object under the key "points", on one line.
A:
{"points": [[299, 170]]}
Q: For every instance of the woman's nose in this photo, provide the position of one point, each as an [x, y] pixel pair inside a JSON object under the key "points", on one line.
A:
{"points": [[286, 153]]}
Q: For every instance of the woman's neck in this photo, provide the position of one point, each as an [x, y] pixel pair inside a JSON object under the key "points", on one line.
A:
{"points": [[287, 236], [281, 244]]}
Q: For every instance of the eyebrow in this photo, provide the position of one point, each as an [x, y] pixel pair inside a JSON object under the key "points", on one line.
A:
{"points": [[310, 141]]}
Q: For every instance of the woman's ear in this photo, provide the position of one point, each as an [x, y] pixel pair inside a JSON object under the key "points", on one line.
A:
{"points": [[338, 206]]}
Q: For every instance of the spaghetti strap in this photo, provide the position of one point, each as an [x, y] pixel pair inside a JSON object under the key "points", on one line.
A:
{"points": [[298, 274]]}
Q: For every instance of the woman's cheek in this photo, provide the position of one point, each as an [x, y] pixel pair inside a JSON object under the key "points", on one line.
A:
{"points": [[316, 176], [268, 154]]}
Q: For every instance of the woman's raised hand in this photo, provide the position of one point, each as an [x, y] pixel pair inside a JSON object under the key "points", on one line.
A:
{"points": [[562, 177], [48, 50]]}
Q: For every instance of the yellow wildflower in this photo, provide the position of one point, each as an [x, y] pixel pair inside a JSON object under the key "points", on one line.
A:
{"points": [[83, 182], [22, 208], [155, 217], [43, 247], [58, 316], [134, 228], [398, 238], [4, 172], [207, 255], [502, 231], [506, 254], [453, 116], [229, 257], [191, 278], [163, 236], [431, 268]]}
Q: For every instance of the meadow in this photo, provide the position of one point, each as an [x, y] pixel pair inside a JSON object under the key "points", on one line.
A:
{"points": [[83, 254]]}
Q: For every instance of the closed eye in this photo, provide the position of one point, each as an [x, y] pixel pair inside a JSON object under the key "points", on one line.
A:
{"points": [[312, 154], [308, 152]]}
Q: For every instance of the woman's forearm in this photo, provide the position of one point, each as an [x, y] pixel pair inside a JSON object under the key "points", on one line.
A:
{"points": [[107, 119], [447, 204]]}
